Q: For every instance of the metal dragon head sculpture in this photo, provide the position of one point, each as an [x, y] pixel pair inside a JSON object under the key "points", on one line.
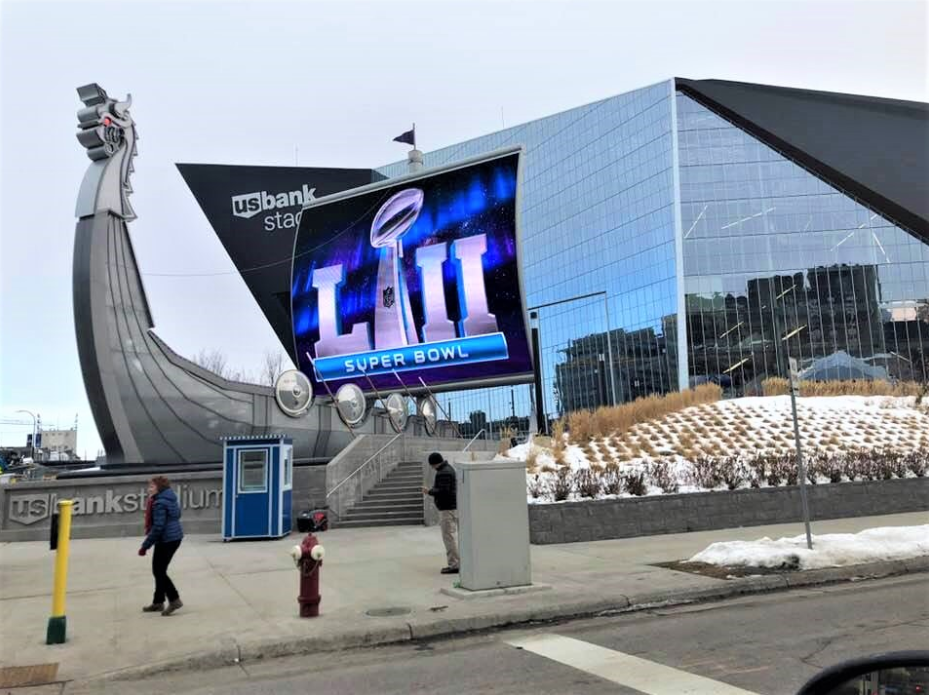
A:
{"points": [[108, 133]]}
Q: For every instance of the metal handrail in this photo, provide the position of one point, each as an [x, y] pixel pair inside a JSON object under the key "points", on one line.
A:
{"points": [[369, 460], [473, 439]]}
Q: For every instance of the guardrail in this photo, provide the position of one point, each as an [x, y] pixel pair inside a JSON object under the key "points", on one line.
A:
{"points": [[361, 467], [474, 439]]}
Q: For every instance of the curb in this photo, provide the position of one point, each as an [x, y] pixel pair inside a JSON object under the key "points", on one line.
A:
{"points": [[231, 652]]}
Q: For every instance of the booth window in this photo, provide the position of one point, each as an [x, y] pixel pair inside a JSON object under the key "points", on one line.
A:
{"points": [[253, 471], [288, 467]]}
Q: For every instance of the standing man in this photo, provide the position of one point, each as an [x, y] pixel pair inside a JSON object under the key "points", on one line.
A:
{"points": [[444, 493]]}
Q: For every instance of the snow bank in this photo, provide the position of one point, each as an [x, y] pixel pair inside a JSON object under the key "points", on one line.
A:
{"points": [[829, 550]]}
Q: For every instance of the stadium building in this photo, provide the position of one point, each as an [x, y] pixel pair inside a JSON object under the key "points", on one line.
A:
{"points": [[685, 232]]}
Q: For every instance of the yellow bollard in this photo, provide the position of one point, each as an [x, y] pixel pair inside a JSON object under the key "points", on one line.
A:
{"points": [[58, 623]]}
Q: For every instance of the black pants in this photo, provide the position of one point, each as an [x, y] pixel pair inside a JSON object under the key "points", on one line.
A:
{"points": [[160, 561]]}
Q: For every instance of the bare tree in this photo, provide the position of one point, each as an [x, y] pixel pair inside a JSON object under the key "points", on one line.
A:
{"points": [[273, 364], [212, 361], [215, 361]]}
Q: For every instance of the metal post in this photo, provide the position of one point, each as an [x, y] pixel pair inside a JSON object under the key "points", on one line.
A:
{"points": [[601, 380], [609, 349], [32, 446], [801, 467], [406, 392], [448, 417], [541, 419], [533, 313], [58, 623], [335, 405], [415, 161]]}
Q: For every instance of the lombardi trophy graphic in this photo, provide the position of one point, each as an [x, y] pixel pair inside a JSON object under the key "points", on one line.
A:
{"points": [[393, 317]]}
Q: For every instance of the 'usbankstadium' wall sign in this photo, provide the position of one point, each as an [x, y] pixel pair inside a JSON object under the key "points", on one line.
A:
{"points": [[414, 277]]}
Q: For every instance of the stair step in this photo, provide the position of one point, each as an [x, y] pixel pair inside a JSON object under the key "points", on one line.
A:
{"points": [[397, 521], [399, 490], [412, 475], [395, 486], [352, 515], [389, 511], [375, 506], [389, 522], [393, 499]]}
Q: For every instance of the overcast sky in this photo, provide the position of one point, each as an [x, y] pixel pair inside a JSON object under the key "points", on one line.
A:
{"points": [[244, 83]]}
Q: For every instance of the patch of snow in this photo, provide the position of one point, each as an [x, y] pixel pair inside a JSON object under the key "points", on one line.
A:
{"points": [[741, 427], [829, 550], [521, 452]]}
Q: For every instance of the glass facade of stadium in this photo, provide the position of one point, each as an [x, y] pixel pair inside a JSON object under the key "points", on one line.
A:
{"points": [[666, 247]]}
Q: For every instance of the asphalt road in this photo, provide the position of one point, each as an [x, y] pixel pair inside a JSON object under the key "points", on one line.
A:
{"points": [[768, 644]]}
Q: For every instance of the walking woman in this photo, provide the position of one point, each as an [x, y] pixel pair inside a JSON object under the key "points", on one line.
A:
{"points": [[163, 531]]}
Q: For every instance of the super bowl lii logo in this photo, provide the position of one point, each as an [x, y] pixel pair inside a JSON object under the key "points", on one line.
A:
{"points": [[394, 343]]}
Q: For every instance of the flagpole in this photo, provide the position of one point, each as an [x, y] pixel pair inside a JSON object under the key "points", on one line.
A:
{"points": [[414, 156]]}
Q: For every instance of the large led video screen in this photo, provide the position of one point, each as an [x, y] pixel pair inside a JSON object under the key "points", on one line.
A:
{"points": [[414, 280]]}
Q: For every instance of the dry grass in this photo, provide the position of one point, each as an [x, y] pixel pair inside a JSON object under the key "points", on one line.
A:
{"points": [[718, 430], [532, 460], [558, 444], [776, 386], [686, 440], [506, 433], [591, 451], [585, 425]]}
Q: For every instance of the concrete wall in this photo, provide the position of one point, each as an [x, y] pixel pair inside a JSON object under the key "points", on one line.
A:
{"points": [[114, 506], [370, 457], [309, 488], [105, 507], [572, 522]]}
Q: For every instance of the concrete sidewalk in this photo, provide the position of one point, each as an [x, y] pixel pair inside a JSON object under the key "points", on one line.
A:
{"points": [[240, 598]]}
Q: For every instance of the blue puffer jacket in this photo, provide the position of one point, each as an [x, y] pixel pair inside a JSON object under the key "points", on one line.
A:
{"points": [[166, 520]]}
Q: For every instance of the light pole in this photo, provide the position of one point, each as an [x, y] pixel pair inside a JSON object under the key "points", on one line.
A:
{"points": [[534, 313], [32, 446]]}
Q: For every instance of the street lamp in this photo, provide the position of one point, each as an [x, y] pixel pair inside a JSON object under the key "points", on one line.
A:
{"points": [[32, 446]]}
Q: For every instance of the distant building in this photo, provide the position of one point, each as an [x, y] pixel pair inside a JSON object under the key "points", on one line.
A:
{"points": [[59, 440]]}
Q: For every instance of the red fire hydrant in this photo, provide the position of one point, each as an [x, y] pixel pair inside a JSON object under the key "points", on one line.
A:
{"points": [[308, 557]]}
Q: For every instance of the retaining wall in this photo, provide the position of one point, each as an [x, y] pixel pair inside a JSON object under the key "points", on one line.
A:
{"points": [[629, 517], [113, 506]]}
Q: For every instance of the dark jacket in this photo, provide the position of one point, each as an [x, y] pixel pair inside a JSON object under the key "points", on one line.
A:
{"points": [[445, 489], [166, 520]]}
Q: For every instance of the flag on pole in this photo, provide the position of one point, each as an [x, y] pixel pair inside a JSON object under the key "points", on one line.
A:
{"points": [[409, 137]]}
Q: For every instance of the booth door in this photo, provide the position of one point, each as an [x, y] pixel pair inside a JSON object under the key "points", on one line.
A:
{"points": [[287, 491], [252, 494]]}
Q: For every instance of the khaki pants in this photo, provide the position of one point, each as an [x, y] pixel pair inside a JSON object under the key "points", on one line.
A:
{"points": [[448, 520]]}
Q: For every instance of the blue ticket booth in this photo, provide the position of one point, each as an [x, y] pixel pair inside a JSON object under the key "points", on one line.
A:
{"points": [[258, 474]]}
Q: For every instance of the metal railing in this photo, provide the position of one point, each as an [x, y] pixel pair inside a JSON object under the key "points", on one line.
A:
{"points": [[473, 439], [367, 461]]}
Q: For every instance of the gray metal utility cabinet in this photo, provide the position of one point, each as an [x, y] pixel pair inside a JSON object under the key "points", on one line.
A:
{"points": [[493, 520]]}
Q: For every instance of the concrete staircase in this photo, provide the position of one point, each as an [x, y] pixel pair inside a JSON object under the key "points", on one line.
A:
{"points": [[395, 501]]}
